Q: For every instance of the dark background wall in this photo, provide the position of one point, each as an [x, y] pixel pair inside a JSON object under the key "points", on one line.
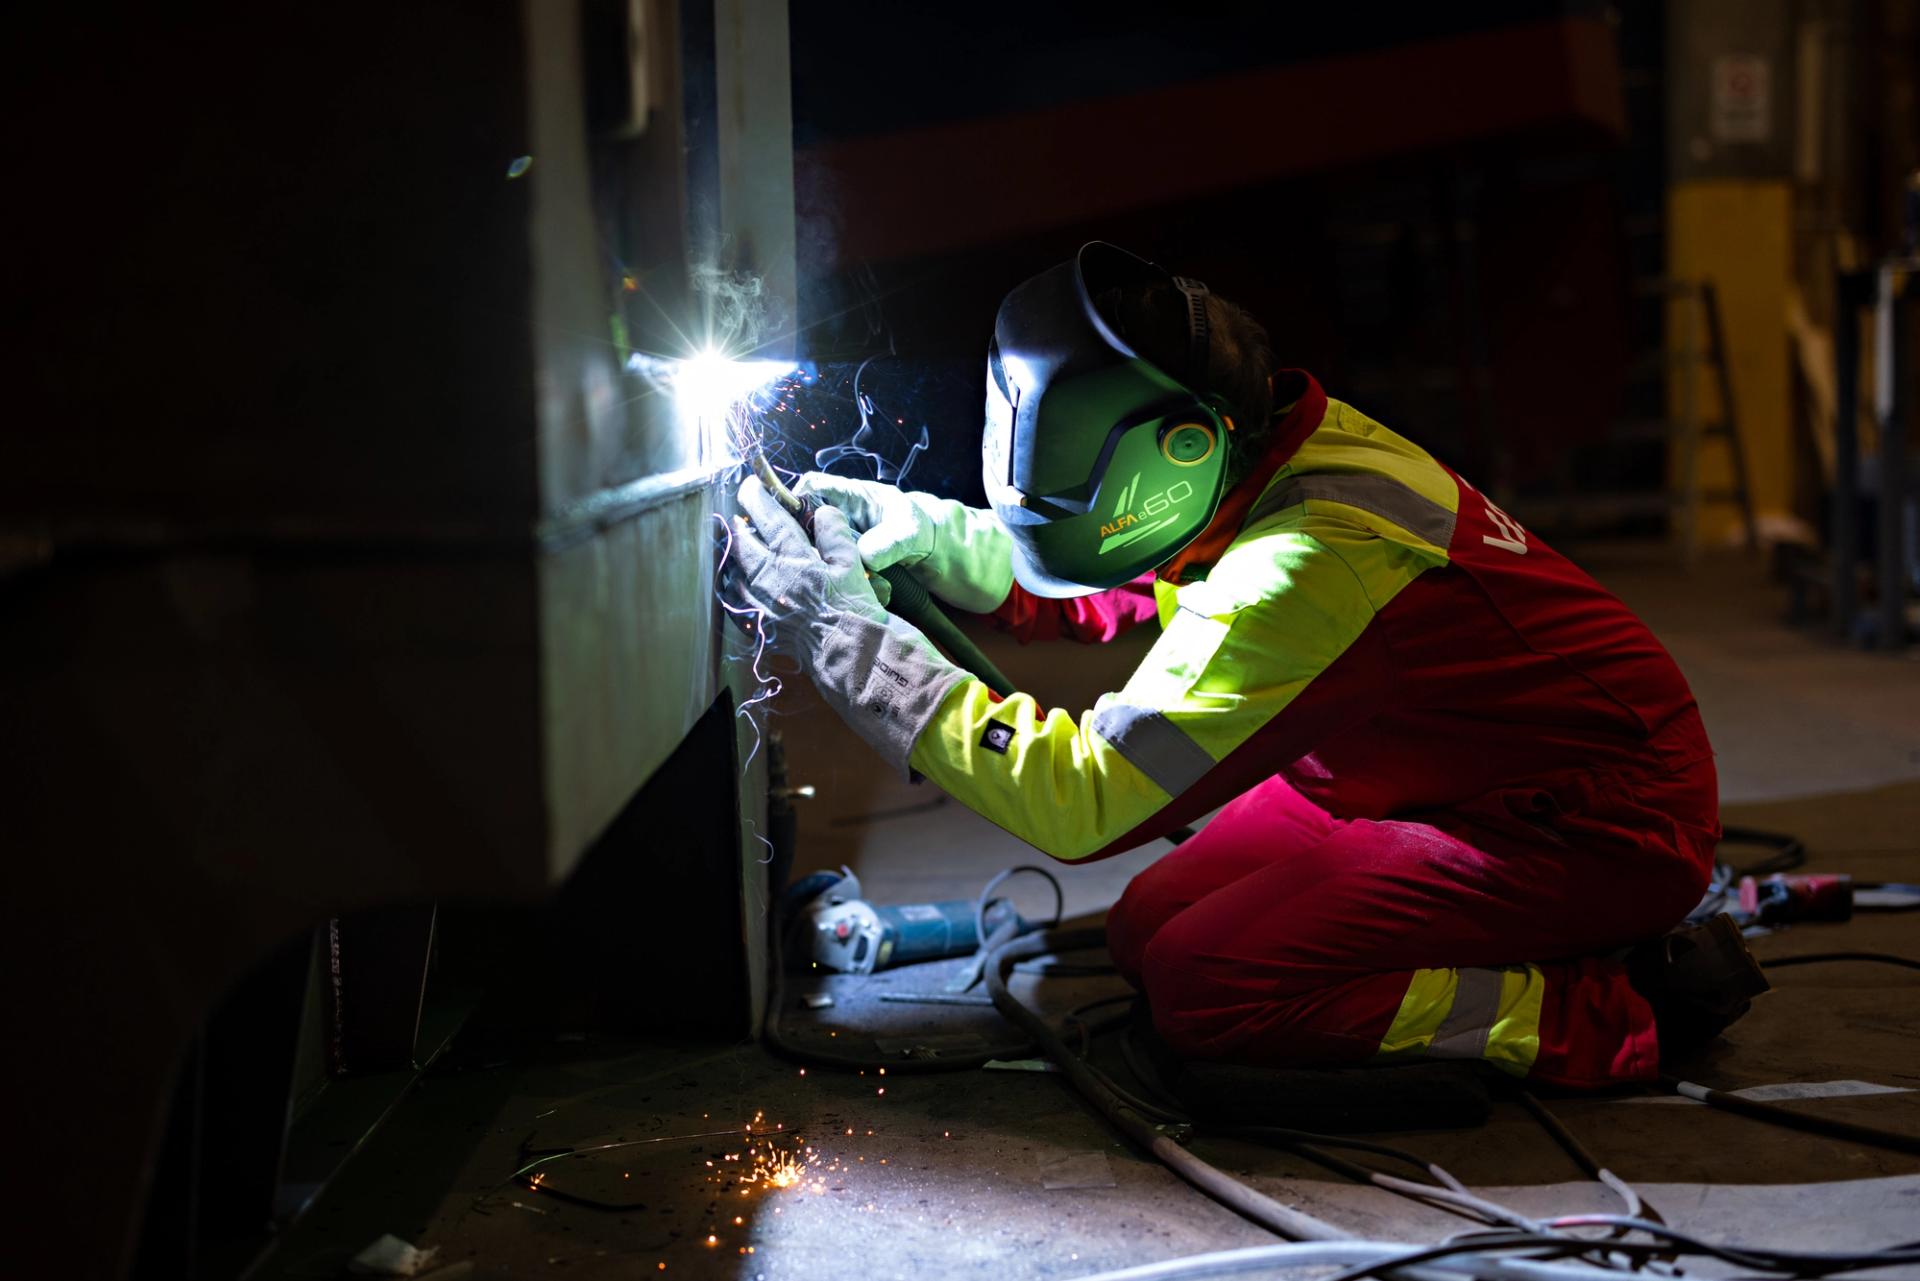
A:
{"points": [[1467, 285]]}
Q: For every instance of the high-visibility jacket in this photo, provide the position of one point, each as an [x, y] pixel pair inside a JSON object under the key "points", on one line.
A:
{"points": [[1359, 619]]}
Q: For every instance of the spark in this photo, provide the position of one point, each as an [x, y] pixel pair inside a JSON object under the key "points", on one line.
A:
{"points": [[860, 446], [768, 685], [714, 395]]}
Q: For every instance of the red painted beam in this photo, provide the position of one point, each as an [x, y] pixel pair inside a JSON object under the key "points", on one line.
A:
{"points": [[957, 185]]}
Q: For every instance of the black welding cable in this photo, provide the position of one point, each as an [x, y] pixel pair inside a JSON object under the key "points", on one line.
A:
{"points": [[1149, 1080], [1872, 1136], [1765, 1258], [1488, 1255], [1382, 1255], [1452, 1197], [1156, 1139], [1451, 1194], [1146, 1107], [1156, 1116], [1637, 1206], [1820, 958], [1463, 1203], [912, 602], [1149, 1124], [1789, 851], [984, 903], [1076, 1021], [1468, 1243], [1446, 1192], [1113, 1100], [1459, 1197], [1483, 1256]]}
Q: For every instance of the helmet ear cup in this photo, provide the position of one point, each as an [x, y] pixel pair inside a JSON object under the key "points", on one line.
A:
{"points": [[1188, 444]]}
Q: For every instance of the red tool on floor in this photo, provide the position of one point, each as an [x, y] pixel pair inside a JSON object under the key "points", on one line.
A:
{"points": [[1781, 899]]}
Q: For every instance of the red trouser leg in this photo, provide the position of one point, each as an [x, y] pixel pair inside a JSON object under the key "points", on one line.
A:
{"points": [[1282, 935]]}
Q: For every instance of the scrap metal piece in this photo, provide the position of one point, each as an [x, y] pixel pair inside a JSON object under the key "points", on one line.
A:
{"points": [[1077, 1170], [389, 1256]]}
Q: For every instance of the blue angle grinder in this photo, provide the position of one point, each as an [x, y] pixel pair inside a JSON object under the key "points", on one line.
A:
{"points": [[830, 923]]}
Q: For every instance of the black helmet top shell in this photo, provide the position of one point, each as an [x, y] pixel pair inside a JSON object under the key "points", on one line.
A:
{"points": [[1100, 464]]}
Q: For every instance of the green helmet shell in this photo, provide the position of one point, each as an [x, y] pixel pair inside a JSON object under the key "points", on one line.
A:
{"points": [[1100, 464]]}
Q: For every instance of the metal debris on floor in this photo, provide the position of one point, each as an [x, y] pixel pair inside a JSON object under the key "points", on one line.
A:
{"points": [[1077, 1170], [389, 1256]]}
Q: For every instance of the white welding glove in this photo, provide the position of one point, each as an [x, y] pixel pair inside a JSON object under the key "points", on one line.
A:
{"points": [[959, 553], [884, 678]]}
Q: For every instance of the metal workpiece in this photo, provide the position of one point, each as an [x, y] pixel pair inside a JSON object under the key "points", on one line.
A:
{"points": [[346, 543]]}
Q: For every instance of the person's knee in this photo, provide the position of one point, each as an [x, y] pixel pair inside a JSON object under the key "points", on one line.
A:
{"points": [[1132, 923], [1207, 1005], [1155, 895], [1190, 1010]]}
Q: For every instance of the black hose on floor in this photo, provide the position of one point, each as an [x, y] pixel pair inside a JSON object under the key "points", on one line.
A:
{"points": [[1159, 1139], [1814, 958], [1871, 1136]]}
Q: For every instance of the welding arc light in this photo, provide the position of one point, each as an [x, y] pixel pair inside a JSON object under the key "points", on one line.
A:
{"points": [[708, 384]]}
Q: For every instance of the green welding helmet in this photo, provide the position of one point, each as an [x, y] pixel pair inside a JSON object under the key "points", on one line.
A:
{"points": [[1099, 463]]}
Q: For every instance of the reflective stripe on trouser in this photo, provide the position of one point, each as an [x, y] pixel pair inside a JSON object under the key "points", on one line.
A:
{"points": [[1471, 1014], [1281, 935]]}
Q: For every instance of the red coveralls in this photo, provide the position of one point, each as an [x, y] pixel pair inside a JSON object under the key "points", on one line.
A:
{"points": [[1506, 776]]}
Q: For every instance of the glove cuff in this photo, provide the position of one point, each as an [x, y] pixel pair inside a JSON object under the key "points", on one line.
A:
{"points": [[886, 680], [971, 566]]}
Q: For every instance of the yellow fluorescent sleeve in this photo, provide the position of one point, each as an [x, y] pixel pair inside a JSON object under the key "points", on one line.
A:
{"points": [[1238, 651], [1057, 785], [1356, 516]]}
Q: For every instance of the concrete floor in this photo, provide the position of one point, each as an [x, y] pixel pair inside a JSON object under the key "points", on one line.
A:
{"points": [[961, 1175]]}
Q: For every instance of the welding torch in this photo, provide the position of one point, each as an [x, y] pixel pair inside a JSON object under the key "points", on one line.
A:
{"points": [[908, 598]]}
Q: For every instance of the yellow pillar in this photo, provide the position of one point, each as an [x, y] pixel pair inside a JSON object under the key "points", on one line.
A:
{"points": [[1736, 233]]}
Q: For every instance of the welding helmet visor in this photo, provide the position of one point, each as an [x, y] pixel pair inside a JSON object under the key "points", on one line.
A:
{"points": [[1100, 464]]}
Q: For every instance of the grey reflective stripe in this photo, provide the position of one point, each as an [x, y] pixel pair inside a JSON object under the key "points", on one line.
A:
{"points": [[1155, 746], [1476, 1004], [1381, 495]]}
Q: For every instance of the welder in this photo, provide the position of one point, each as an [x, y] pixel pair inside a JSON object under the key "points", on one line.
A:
{"points": [[1468, 796]]}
